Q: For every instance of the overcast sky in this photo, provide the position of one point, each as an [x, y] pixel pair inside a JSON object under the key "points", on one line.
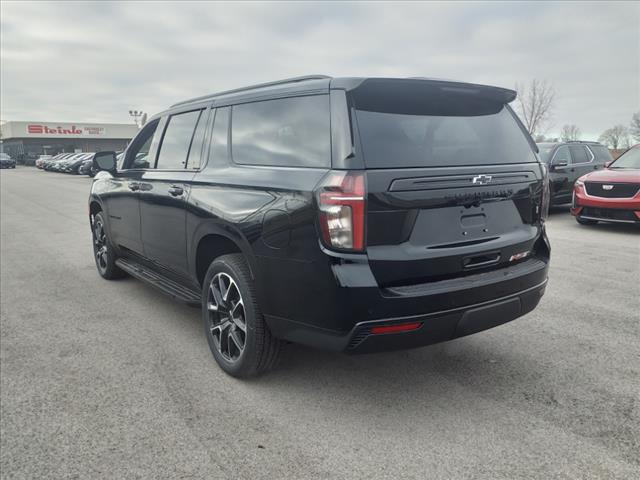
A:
{"points": [[95, 61]]}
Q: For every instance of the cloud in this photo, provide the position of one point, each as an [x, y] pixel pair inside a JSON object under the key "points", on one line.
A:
{"points": [[74, 61]]}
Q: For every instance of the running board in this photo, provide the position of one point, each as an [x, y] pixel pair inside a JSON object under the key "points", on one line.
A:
{"points": [[162, 283]]}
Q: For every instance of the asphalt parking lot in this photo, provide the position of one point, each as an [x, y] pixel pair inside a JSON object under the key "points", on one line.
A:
{"points": [[113, 380]]}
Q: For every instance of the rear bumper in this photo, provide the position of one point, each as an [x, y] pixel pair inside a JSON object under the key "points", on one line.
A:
{"points": [[342, 318], [434, 327]]}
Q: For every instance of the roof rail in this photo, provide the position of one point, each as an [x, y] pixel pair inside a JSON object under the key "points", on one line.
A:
{"points": [[251, 87]]}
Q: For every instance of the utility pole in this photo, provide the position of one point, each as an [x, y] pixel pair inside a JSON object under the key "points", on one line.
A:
{"points": [[136, 114]]}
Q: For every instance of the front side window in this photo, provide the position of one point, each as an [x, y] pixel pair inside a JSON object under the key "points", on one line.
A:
{"points": [[137, 155], [579, 154], [561, 156], [290, 132], [176, 141]]}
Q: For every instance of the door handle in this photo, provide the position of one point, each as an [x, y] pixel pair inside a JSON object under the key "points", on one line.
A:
{"points": [[176, 190], [134, 186]]}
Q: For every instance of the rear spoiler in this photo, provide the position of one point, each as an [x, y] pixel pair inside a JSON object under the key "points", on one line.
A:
{"points": [[420, 96]]}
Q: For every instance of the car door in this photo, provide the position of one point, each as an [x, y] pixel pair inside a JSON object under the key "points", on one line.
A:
{"points": [[165, 188], [560, 174], [121, 197]]}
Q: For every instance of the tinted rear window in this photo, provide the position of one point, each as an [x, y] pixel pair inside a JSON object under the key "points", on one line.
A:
{"points": [[395, 140], [291, 132], [177, 140]]}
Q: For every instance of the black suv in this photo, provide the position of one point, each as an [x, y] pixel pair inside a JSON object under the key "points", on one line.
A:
{"points": [[352, 214], [568, 161]]}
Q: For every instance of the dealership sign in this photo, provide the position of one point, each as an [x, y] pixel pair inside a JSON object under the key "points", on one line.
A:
{"points": [[39, 129]]}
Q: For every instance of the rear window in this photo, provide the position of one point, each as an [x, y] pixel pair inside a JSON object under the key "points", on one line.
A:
{"points": [[398, 140], [288, 132]]}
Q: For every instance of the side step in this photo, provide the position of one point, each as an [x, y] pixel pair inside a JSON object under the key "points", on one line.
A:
{"points": [[162, 283]]}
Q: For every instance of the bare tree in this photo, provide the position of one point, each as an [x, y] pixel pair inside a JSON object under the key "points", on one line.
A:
{"points": [[634, 128], [570, 133], [615, 137], [535, 103]]}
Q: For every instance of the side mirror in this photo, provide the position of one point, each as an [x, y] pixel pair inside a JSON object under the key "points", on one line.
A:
{"points": [[606, 164], [105, 161]]}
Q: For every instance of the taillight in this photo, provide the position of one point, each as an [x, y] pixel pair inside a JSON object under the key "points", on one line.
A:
{"points": [[546, 193], [342, 203]]}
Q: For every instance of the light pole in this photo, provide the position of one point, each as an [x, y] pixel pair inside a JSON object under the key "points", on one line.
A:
{"points": [[136, 114]]}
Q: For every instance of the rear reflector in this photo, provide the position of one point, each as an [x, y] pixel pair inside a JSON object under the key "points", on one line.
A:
{"points": [[402, 327]]}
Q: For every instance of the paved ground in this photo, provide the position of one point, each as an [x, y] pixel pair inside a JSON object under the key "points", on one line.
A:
{"points": [[112, 379]]}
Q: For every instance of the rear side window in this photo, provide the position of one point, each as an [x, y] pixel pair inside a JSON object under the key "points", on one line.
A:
{"points": [[218, 151], [176, 141], [579, 154], [399, 140], [601, 153], [288, 132], [195, 152]]}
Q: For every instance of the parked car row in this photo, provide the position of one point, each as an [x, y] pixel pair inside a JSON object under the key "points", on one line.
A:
{"points": [[6, 161], [76, 163], [598, 188]]}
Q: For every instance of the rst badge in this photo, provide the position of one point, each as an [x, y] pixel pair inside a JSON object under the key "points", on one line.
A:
{"points": [[607, 187]]}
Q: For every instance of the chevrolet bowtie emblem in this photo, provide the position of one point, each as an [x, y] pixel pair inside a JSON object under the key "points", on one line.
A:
{"points": [[481, 179]]}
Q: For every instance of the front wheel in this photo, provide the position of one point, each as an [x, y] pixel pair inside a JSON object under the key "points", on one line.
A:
{"points": [[103, 252], [237, 334]]}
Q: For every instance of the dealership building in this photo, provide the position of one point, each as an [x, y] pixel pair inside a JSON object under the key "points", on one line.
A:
{"points": [[24, 140]]}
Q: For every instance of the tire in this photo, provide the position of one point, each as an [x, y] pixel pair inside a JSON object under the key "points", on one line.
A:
{"points": [[584, 221], [229, 303], [103, 252]]}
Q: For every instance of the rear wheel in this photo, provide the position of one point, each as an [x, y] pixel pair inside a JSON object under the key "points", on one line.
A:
{"points": [[238, 336], [584, 221], [103, 252]]}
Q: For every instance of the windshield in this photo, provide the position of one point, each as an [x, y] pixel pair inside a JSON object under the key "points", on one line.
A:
{"points": [[399, 140], [629, 159], [545, 150]]}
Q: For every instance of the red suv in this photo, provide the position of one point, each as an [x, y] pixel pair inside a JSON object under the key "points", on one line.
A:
{"points": [[610, 195]]}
